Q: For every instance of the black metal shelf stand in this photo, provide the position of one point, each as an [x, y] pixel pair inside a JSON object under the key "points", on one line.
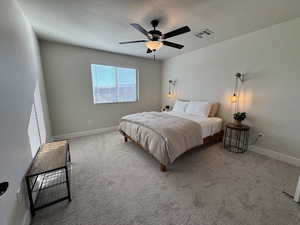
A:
{"points": [[236, 138], [48, 179]]}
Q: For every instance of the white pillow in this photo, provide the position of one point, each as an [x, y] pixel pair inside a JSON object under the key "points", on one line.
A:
{"points": [[198, 108], [180, 106]]}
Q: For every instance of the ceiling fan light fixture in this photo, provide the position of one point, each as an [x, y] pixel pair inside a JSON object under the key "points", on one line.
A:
{"points": [[154, 45]]}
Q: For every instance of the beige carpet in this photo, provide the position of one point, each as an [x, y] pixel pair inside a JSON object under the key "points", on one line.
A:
{"points": [[117, 183]]}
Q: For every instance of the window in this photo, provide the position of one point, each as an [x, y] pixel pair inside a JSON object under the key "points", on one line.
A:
{"points": [[114, 84]]}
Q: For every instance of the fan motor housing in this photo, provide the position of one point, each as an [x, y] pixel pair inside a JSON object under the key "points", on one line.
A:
{"points": [[156, 34]]}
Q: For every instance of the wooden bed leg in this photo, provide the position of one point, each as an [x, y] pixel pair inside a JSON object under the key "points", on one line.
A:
{"points": [[163, 168], [125, 139]]}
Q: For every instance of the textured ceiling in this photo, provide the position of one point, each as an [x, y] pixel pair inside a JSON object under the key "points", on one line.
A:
{"points": [[101, 24]]}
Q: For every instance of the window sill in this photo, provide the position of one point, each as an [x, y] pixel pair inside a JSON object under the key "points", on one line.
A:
{"points": [[103, 103]]}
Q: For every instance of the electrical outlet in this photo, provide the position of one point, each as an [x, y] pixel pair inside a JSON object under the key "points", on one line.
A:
{"points": [[260, 135], [257, 137], [90, 122]]}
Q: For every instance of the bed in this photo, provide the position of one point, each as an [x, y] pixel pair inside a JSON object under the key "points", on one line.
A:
{"points": [[167, 135]]}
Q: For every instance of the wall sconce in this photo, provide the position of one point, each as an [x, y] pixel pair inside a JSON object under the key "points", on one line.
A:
{"points": [[235, 97], [171, 92]]}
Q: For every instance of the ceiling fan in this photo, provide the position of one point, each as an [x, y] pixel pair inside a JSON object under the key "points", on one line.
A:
{"points": [[156, 39]]}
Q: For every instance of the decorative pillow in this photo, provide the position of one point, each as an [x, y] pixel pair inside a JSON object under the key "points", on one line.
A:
{"points": [[180, 106], [200, 108], [214, 108]]}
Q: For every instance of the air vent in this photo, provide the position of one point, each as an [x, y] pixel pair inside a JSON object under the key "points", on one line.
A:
{"points": [[204, 32]]}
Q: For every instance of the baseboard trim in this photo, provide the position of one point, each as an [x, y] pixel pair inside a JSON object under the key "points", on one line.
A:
{"points": [[27, 218], [85, 133], [275, 155]]}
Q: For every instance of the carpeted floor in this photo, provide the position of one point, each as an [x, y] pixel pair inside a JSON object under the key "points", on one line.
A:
{"points": [[117, 183]]}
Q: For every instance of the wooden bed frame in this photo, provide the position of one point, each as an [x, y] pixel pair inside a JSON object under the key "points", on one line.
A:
{"points": [[218, 137]]}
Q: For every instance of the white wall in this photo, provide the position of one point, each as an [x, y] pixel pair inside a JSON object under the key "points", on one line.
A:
{"points": [[271, 59], [69, 87], [20, 74]]}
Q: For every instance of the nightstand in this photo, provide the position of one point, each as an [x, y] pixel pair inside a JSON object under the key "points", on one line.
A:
{"points": [[236, 138]]}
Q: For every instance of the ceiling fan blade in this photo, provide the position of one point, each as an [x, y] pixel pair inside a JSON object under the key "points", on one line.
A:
{"points": [[129, 42], [141, 29], [149, 50], [176, 32], [172, 44]]}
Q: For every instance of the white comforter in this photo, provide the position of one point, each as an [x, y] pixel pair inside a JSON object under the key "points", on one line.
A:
{"points": [[165, 135], [209, 125]]}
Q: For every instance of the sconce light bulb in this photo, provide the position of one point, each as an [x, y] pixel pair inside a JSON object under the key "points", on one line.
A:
{"points": [[234, 98]]}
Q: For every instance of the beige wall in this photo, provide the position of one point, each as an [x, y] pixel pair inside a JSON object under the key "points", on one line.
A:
{"points": [[271, 60], [20, 74], [69, 87]]}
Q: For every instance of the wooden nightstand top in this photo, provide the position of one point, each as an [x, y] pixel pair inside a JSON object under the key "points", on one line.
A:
{"points": [[237, 127]]}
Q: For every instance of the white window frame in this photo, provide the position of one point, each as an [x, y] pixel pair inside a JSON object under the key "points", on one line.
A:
{"points": [[116, 66]]}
